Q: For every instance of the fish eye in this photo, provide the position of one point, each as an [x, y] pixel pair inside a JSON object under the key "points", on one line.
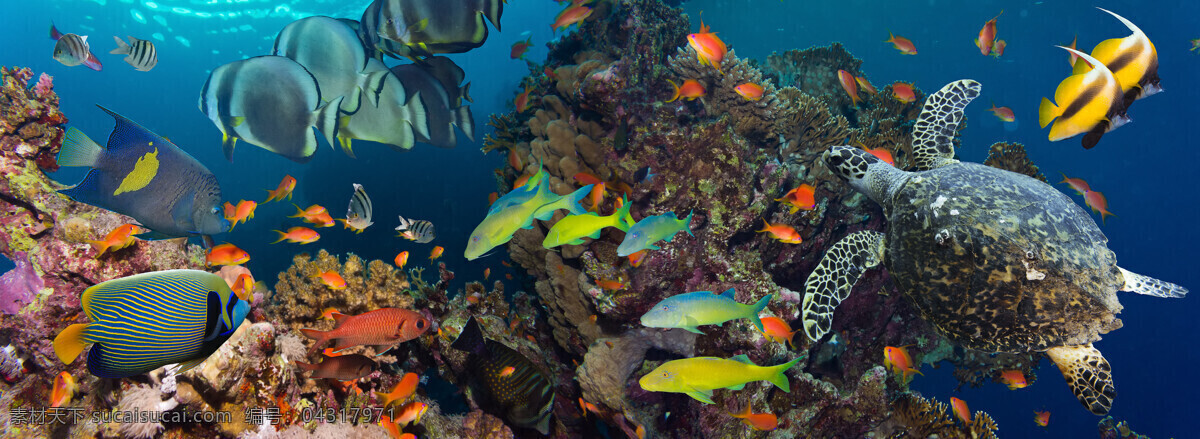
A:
{"points": [[214, 210], [666, 308], [666, 374], [421, 324]]}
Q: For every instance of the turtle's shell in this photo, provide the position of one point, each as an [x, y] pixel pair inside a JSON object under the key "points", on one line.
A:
{"points": [[1001, 262]]}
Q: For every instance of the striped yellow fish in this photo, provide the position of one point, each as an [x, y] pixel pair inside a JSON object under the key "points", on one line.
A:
{"points": [[1090, 102], [142, 322], [1133, 61]]}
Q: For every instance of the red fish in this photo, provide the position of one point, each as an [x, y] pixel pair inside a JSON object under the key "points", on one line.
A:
{"points": [[865, 85], [1041, 418], [383, 328], [903, 92], [960, 410], [904, 45], [341, 367], [709, 48], [327, 314], [1003, 113], [585, 178], [849, 84], [514, 160], [507, 371], [487, 272], [757, 421], [690, 90], [1080, 186], [1098, 203], [401, 259], [226, 254], [782, 232], [301, 235], [778, 330], [283, 191], [401, 392], [243, 211], [987, 35], [570, 16], [882, 154], [244, 287], [117, 239], [492, 197], [1014, 379], [522, 101], [749, 91], [597, 196], [802, 197], [519, 48], [898, 360]]}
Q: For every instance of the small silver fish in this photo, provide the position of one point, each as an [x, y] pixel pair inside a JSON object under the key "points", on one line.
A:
{"points": [[420, 231], [358, 214], [72, 50], [141, 54]]}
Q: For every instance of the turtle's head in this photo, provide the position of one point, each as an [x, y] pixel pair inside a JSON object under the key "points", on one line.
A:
{"points": [[866, 173]]}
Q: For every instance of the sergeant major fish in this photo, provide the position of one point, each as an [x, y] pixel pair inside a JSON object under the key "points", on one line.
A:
{"points": [[358, 214], [419, 231], [140, 54], [72, 50]]}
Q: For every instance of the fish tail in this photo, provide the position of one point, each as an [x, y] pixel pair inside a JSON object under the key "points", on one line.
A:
{"points": [[327, 122], [676, 94], [1047, 112], [779, 377], [891, 38], [319, 337], [122, 48], [69, 343], [282, 236], [574, 199], [687, 224], [99, 246], [757, 308], [299, 211], [270, 196], [306, 366], [78, 149]]}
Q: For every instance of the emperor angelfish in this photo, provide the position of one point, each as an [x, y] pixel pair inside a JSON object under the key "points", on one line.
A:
{"points": [[147, 177], [140, 54], [426, 27], [358, 214], [523, 396], [331, 51], [142, 322], [394, 121], [271, 102], [442, 104], [1090, 102], [72, 50], [1133, 61]]}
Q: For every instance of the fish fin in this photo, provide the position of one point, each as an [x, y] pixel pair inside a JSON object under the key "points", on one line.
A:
{"points": [[122, 48], [758, 308], [742, 359], [465, 121], [69, 343], [319, 337], [493, 8], [779, 377], [383, 349], [1089, 375], [306, 366], [346, 142], [691, 329], [128, 134], [1047, 112], [189, 365], [464, 91], [54, 33], [87, 190], [339, 319], [687, 223], [181, 213], [471, 338], [704, 396], [577, 241], [154, 236], [834, 277], [674, 95], [574, 198], [78, 149], [737, 386], [373, 86], [418, 115], [92, 62], [730, 294], [327, 122], [227, 144]]}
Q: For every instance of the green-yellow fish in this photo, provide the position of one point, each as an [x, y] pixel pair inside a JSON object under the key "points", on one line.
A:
{"points": [[499, 226], [572, 229], [699, 376]]}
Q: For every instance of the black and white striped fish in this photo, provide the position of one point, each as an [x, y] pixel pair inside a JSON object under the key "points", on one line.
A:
{"points": [[420, 231], [141, 54], [72, 50], [358, 215]]}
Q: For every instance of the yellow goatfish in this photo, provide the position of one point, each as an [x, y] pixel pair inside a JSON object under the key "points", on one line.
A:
{"points": [[1089, 103], [1133, 61], [699, 376]]}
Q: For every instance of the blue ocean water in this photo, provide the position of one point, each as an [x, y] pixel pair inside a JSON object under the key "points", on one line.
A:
{"points": [[1146, 169]]}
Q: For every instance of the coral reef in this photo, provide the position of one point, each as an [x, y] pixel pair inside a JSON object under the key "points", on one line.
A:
{"points": [[1112, 429], [922, 418], [1012, 157]]}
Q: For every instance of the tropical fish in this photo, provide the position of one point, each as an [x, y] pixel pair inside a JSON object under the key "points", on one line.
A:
{"points": [[314, 214], [331, 51], [1089, 103], [1098, 203], [1133, 61], [519, 48], [341, 367], [436, 253], [508, 215], [585, 407], [643, 175], [757, 421], [750, 91], [383, 328], [72, 50], [437, 81], [191, 312], [358, 214], [332, 280], [710, 50], [524, 397], [64, 388], [522, 101], [420, 231], [960, 410], [298, 235], [1014, 379], [849, 84], [903, 92], [240, 213], [572, 229], [420, 28], [327, 314], [487, 272], [652, 229], [394, 114], [1042, 418], [865, 85], [689, 310], [987, 35], [492, 197], [998, 48], [140, 54], [802, 197], [271, 102], [142, 175], [411, 413], [1071, 60], [699, 376], [1003, 113], [117, 239], [571, 15], [611, 285], [403, 390], [904, 45], [690, 90], [781, 232], [637, 258], [401, 259], [778, 330], [226, 254], [1195, 45], [880, 153], [244, 287], [898, 360], [1081, 187], [286, 186]]}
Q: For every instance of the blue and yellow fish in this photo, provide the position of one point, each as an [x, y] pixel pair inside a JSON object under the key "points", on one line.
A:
{"points": [[652, 229], [142, 322], [689, 310]]}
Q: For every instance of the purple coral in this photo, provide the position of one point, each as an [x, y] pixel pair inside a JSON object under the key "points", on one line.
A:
{"points": [[44, 85], [19, 286]]}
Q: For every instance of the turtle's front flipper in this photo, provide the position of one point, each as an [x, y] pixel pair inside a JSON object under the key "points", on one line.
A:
{"points": [[1150, 286], [833, 278], [933, 133], [1089, 375]]}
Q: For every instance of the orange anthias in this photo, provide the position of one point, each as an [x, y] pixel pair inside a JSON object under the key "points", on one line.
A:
{"points": [[802, 197], [961, 410], [411, 413], [758, 421], [327, 314], [750, 91], [849, 84], [314, 214], [1081, 187], [522, 100], [436, 253], [882, 154], [690, 90], [64, 388], [782, 232], [865, 85], [597, 197], [301, 235], [709, 48], [613, 285], [1098, 203], [401, 392], [243, 211], [514, 160], [1003, 113], [243, 287], [226, 254], [898, 360], [520, 181], [331, 279], [904, 45], [401, 259], [636, 259], [903, 92], [519, 48], [778, 330], [117, 239], [987, 35], [570, 16], [283, 191], [1041, 418], [1014, 379], [487, 272]]}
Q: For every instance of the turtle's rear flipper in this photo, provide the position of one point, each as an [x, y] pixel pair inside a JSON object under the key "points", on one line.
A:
{"points": [[1150, 286], [835, 276], [1088, 374]]}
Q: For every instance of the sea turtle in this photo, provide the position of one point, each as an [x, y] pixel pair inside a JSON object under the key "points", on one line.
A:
{"points": [[996, 261]]}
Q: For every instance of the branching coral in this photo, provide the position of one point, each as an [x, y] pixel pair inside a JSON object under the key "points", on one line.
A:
{"points": [[299, 296], [1012, 157], [923, 418], [752, 119], [815, 71]]}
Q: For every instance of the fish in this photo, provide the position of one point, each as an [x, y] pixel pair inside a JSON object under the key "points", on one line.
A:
{"points": [[401, 392], [1014, 379], [1041, 418], [242, 212], [898, 360], [778, 330], [637, 258], [401, 259], [437, 80], [1072, 57], [519, 48], [436, 253], [881, 154], [192, 313], [315, 214], [140, 54], [332, 280], [647, 232], [271, 102], [987, 35], [331, 51], [749, 91], [573, 228], [411, 413], [419, 231], [699, 376], [1090, 103], [421, 28], [710, 50], [1003, 113], [1081, 187], [72, 50], [492, 197], [903, 92], [849, 84], [522, 100], [64, 388], [1133, 61], [118, 238], [571, 15], [801, 197], [643, 175], [226, 254], [487, 272], [611, 285], [585, 407], [597, 197], [960, 410], [244, 287], [690, 90], [394, 115], [757, 421], [1195, 45], [904, 45], [689, 310], [1098, 203], [998, 48], [781, 232], [298, 235], [383, 328], [327, 314], [517, 210], [145, 176], [524, 397], [865, 85], [286, 186], [341, 367], [358, 214]]}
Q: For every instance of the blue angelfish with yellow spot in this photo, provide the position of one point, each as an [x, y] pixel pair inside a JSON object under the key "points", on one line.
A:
{"points": [[145, 176], [142, 322]]}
